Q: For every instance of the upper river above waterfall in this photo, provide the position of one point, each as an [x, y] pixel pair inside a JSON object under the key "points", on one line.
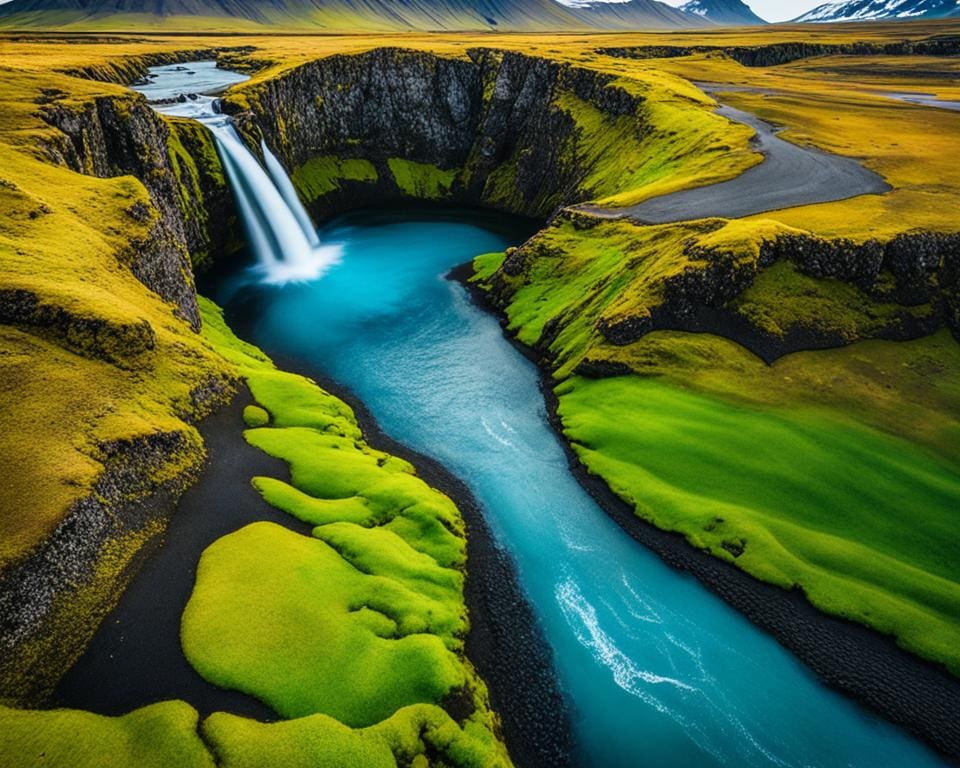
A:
{"points": [[657, 671]]}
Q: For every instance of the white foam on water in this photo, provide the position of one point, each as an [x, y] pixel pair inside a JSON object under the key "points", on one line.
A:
{"points": [[502, 440], [582, 616]]}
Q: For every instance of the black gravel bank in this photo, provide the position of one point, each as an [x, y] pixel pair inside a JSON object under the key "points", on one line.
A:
{"points": [[506, 643], [921, 697]]}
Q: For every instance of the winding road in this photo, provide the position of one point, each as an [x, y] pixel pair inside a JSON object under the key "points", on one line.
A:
{"points": [[789, 175]]}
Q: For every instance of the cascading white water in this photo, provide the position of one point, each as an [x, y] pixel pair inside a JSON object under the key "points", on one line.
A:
{"points": [[285, 186], [279, 230]]}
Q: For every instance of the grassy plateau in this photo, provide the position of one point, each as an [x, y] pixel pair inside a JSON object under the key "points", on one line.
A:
{"points": [[800, 423]]}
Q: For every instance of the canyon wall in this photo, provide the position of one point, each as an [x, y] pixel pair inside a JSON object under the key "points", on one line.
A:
{"points": [[498, 129], [774, 54], [54, 593], [488, 129]]}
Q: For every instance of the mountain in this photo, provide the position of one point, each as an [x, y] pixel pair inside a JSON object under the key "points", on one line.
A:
{"points": [[877, 10], [346, 15], [635, 14], [727, 13]]}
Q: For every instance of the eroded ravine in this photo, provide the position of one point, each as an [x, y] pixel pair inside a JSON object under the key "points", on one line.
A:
{"points": [[789, 175], [654, 667]]}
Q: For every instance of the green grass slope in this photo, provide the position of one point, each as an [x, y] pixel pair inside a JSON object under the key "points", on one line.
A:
{"points": [[863, 521], [836, 471]]}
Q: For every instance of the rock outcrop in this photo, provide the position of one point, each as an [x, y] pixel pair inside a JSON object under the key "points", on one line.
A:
{"points": [[777, 293], [492, 121], [775, 54], [119, 136], [52, 602], [911, 278]]}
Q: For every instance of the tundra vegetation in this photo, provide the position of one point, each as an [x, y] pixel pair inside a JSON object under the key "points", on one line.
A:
{"points": [[826, 333]]}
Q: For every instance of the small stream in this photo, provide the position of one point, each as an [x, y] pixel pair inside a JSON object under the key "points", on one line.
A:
{"points": [[656, 670]]}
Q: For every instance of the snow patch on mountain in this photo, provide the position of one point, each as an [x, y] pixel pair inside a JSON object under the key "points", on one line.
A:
{"points": [[874, 10]]}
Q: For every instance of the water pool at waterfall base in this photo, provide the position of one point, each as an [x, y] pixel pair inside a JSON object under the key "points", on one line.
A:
{"points": [[655, 669]]}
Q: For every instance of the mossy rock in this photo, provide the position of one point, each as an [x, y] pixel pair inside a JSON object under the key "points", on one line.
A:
{"points": [[255, 416]]}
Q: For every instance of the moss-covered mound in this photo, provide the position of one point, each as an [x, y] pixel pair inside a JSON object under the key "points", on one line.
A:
{"points": [[360, 620], [834, 471], [356, 630]]}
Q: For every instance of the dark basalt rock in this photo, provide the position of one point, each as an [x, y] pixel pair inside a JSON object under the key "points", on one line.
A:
{"points": [[625, 330], [492, 113], [39, 638], [601, 369], [775, 54], [90, 336], [714, 278], [839, 258]]}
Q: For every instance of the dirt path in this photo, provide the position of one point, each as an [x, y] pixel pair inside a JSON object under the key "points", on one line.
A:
{"points": [[789, 175]]}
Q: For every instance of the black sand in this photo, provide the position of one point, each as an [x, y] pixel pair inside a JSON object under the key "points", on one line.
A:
{"points": [[135, 658]]}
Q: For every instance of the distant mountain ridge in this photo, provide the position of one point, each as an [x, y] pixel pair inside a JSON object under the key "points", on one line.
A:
{"points": [[350, 15], [727, 13], [882, 10]]}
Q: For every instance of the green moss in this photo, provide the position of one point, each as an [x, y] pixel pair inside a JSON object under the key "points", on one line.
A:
{"points": [[380, 638], [378, 586], [416, 736], [158, 736], [322, 175], [421, 180], [863, 521], [255, 416], [486, 264], [782, 299], [614, 270]]}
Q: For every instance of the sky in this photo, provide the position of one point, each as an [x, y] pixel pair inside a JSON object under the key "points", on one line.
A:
{"points": [[773, 10]]}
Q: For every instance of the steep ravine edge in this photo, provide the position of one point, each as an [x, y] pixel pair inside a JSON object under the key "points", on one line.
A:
{"points": [[869, 667], [120, 135]]}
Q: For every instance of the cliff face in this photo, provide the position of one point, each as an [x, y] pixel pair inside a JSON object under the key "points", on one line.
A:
{"points": [[492, 126], [52, 602], [118, 136], [76, 327], [776, 54], [775, 292]]}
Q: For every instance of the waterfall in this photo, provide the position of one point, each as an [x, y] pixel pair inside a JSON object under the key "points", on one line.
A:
{"points": [[289, 194], [278, 228], [280, 233]]}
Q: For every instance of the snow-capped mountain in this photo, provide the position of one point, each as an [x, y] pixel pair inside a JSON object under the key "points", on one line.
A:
{"points": [[888, 10], [728, 13]]}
